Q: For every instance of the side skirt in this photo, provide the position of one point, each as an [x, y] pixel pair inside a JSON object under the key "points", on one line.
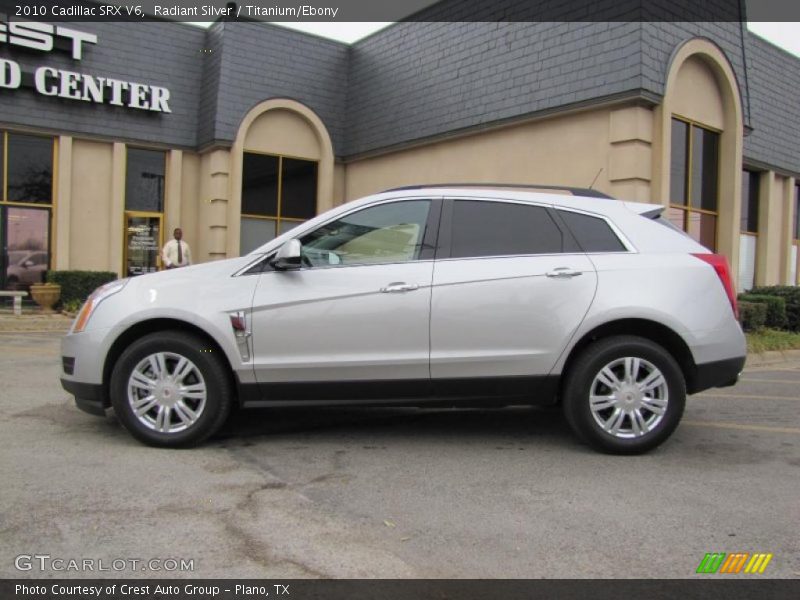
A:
{"points": [[473, 391]]}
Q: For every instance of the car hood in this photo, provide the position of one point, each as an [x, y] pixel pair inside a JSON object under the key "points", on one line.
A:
{"points": [[191, 294], [193, 277]]}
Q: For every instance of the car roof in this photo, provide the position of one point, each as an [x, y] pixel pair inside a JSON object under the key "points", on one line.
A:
{"points": [[579, 199], [540, 188]]}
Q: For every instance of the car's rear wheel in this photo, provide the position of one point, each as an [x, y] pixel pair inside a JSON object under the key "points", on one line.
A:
{"points": [[170, 389], [624, 395]]}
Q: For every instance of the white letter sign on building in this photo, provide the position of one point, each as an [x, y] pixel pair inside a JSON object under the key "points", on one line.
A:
{"points": [[70, 85]]}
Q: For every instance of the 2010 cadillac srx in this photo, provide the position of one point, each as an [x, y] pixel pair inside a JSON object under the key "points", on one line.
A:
{"points": [[424, 296]]}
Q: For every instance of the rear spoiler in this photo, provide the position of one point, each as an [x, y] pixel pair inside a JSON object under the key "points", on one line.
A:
{"points": [[649, 211]]}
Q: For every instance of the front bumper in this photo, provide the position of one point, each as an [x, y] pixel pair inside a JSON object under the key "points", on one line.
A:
{"points": [[720, 373], [89, 397]]}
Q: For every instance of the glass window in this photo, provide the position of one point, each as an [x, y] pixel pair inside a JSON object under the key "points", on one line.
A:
{"points": [[277, 189], [705, 167], [679, 158], [391, 232], [702, 227], [797, 212], [28, 241], [677, 217], [260, 185], [502, 229], [144, 181], [298, 188], [30, 169], [254, 232], [694, 181], [749, 215], [142, 244], [593, 234]]}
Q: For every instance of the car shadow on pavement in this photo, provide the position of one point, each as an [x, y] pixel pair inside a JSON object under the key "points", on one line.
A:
{"points": [[502, 425]]}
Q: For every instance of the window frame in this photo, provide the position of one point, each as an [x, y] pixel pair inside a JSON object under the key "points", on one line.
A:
{"points": [[51, 207], [688, 208], [445, 234], [128, 214], [430, 239], [165, 185], [795, 246], [278, 218], [750, 174], [628, 246]]}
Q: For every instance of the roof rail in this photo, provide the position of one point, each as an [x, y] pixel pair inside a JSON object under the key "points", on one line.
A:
{"points": [[575, 191]]}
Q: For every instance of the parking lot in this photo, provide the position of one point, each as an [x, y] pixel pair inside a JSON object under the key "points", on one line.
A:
{"points": [[387, 493]]}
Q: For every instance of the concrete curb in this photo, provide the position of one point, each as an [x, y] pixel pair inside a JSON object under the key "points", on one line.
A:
{"points": [[56, 323], [772, 358]]}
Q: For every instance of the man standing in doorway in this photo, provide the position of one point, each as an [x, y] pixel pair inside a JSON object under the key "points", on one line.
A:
{"points": [[176, 252]]}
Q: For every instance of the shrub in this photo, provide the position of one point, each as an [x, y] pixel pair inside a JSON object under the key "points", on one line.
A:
{"points": [[776, 308], [77, 285], [791, 295], [752, 315]]}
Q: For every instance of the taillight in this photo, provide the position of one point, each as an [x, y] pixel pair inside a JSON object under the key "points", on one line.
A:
{"points": [[720, 264]]}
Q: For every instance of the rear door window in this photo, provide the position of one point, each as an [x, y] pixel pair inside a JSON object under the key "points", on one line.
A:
{"points": [[483, 228]]}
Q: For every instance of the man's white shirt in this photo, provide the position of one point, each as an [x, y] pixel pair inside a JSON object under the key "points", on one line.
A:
{"points": [[170, 254]]}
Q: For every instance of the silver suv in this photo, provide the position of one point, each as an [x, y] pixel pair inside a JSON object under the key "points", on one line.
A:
{"points": [[425, 296]]}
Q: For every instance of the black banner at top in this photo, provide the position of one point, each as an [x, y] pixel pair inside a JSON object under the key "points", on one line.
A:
{"points": [[408, 10]]}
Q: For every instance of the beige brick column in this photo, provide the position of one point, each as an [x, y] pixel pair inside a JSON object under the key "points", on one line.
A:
{"points": [[768, 250], [172, 195], [630, 158], [787, 237], [116, 235], [212, 226], [63, 210]]}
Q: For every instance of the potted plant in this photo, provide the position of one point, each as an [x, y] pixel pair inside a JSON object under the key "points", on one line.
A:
{"points": [[46, 295]]}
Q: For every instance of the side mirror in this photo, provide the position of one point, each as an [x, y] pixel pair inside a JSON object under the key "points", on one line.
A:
{"points": [[289, 256], [27, 264]]}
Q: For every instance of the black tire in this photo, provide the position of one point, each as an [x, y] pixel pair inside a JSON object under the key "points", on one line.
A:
{"points": [[210, 370], [640, 429]]}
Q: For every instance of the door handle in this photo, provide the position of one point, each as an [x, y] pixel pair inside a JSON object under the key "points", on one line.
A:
{"points": [[398, 287], [563, 273]]}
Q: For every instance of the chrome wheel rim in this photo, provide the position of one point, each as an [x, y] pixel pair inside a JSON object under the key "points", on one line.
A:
{"points": [[167, 392], [629, 397]]}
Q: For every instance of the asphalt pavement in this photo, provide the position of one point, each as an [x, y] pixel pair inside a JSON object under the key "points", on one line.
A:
{"points": [[386, 493]]}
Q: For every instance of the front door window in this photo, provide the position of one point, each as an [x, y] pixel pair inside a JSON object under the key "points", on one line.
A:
{"points": [[381, 234]]}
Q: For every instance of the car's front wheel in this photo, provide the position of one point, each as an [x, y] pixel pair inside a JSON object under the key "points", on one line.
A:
{"points": [[171, 389], [624, 395]]}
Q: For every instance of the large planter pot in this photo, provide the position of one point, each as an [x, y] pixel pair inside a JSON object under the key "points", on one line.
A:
{"points": [[46, 295]]}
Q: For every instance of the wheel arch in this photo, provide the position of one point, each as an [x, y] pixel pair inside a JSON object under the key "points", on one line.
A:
{"points": [[654, 331], [146, 327]]}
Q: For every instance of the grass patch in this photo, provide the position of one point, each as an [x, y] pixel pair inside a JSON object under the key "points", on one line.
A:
{"points": [[765, 340]]}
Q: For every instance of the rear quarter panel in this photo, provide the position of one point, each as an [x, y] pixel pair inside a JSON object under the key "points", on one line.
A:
{"points": [[676, 290]]}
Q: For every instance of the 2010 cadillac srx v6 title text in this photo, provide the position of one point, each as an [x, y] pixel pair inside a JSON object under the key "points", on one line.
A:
{"points": [[424, 296]]}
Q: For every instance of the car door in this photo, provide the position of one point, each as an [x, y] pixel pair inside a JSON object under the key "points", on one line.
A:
{"points": [[356, 312], [510, 287]]}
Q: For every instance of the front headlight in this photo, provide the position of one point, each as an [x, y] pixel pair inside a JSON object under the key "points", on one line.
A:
{"points": [[93, 301]]}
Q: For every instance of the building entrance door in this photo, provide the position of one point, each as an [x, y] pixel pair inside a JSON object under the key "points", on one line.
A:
{"points": [[143, 241], [25, 243]]}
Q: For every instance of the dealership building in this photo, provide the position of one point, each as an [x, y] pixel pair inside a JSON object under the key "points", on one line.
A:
{"points": [[115, 133]]}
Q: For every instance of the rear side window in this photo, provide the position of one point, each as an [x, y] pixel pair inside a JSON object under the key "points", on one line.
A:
{"points": [[593, 234], [500, 229]]}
